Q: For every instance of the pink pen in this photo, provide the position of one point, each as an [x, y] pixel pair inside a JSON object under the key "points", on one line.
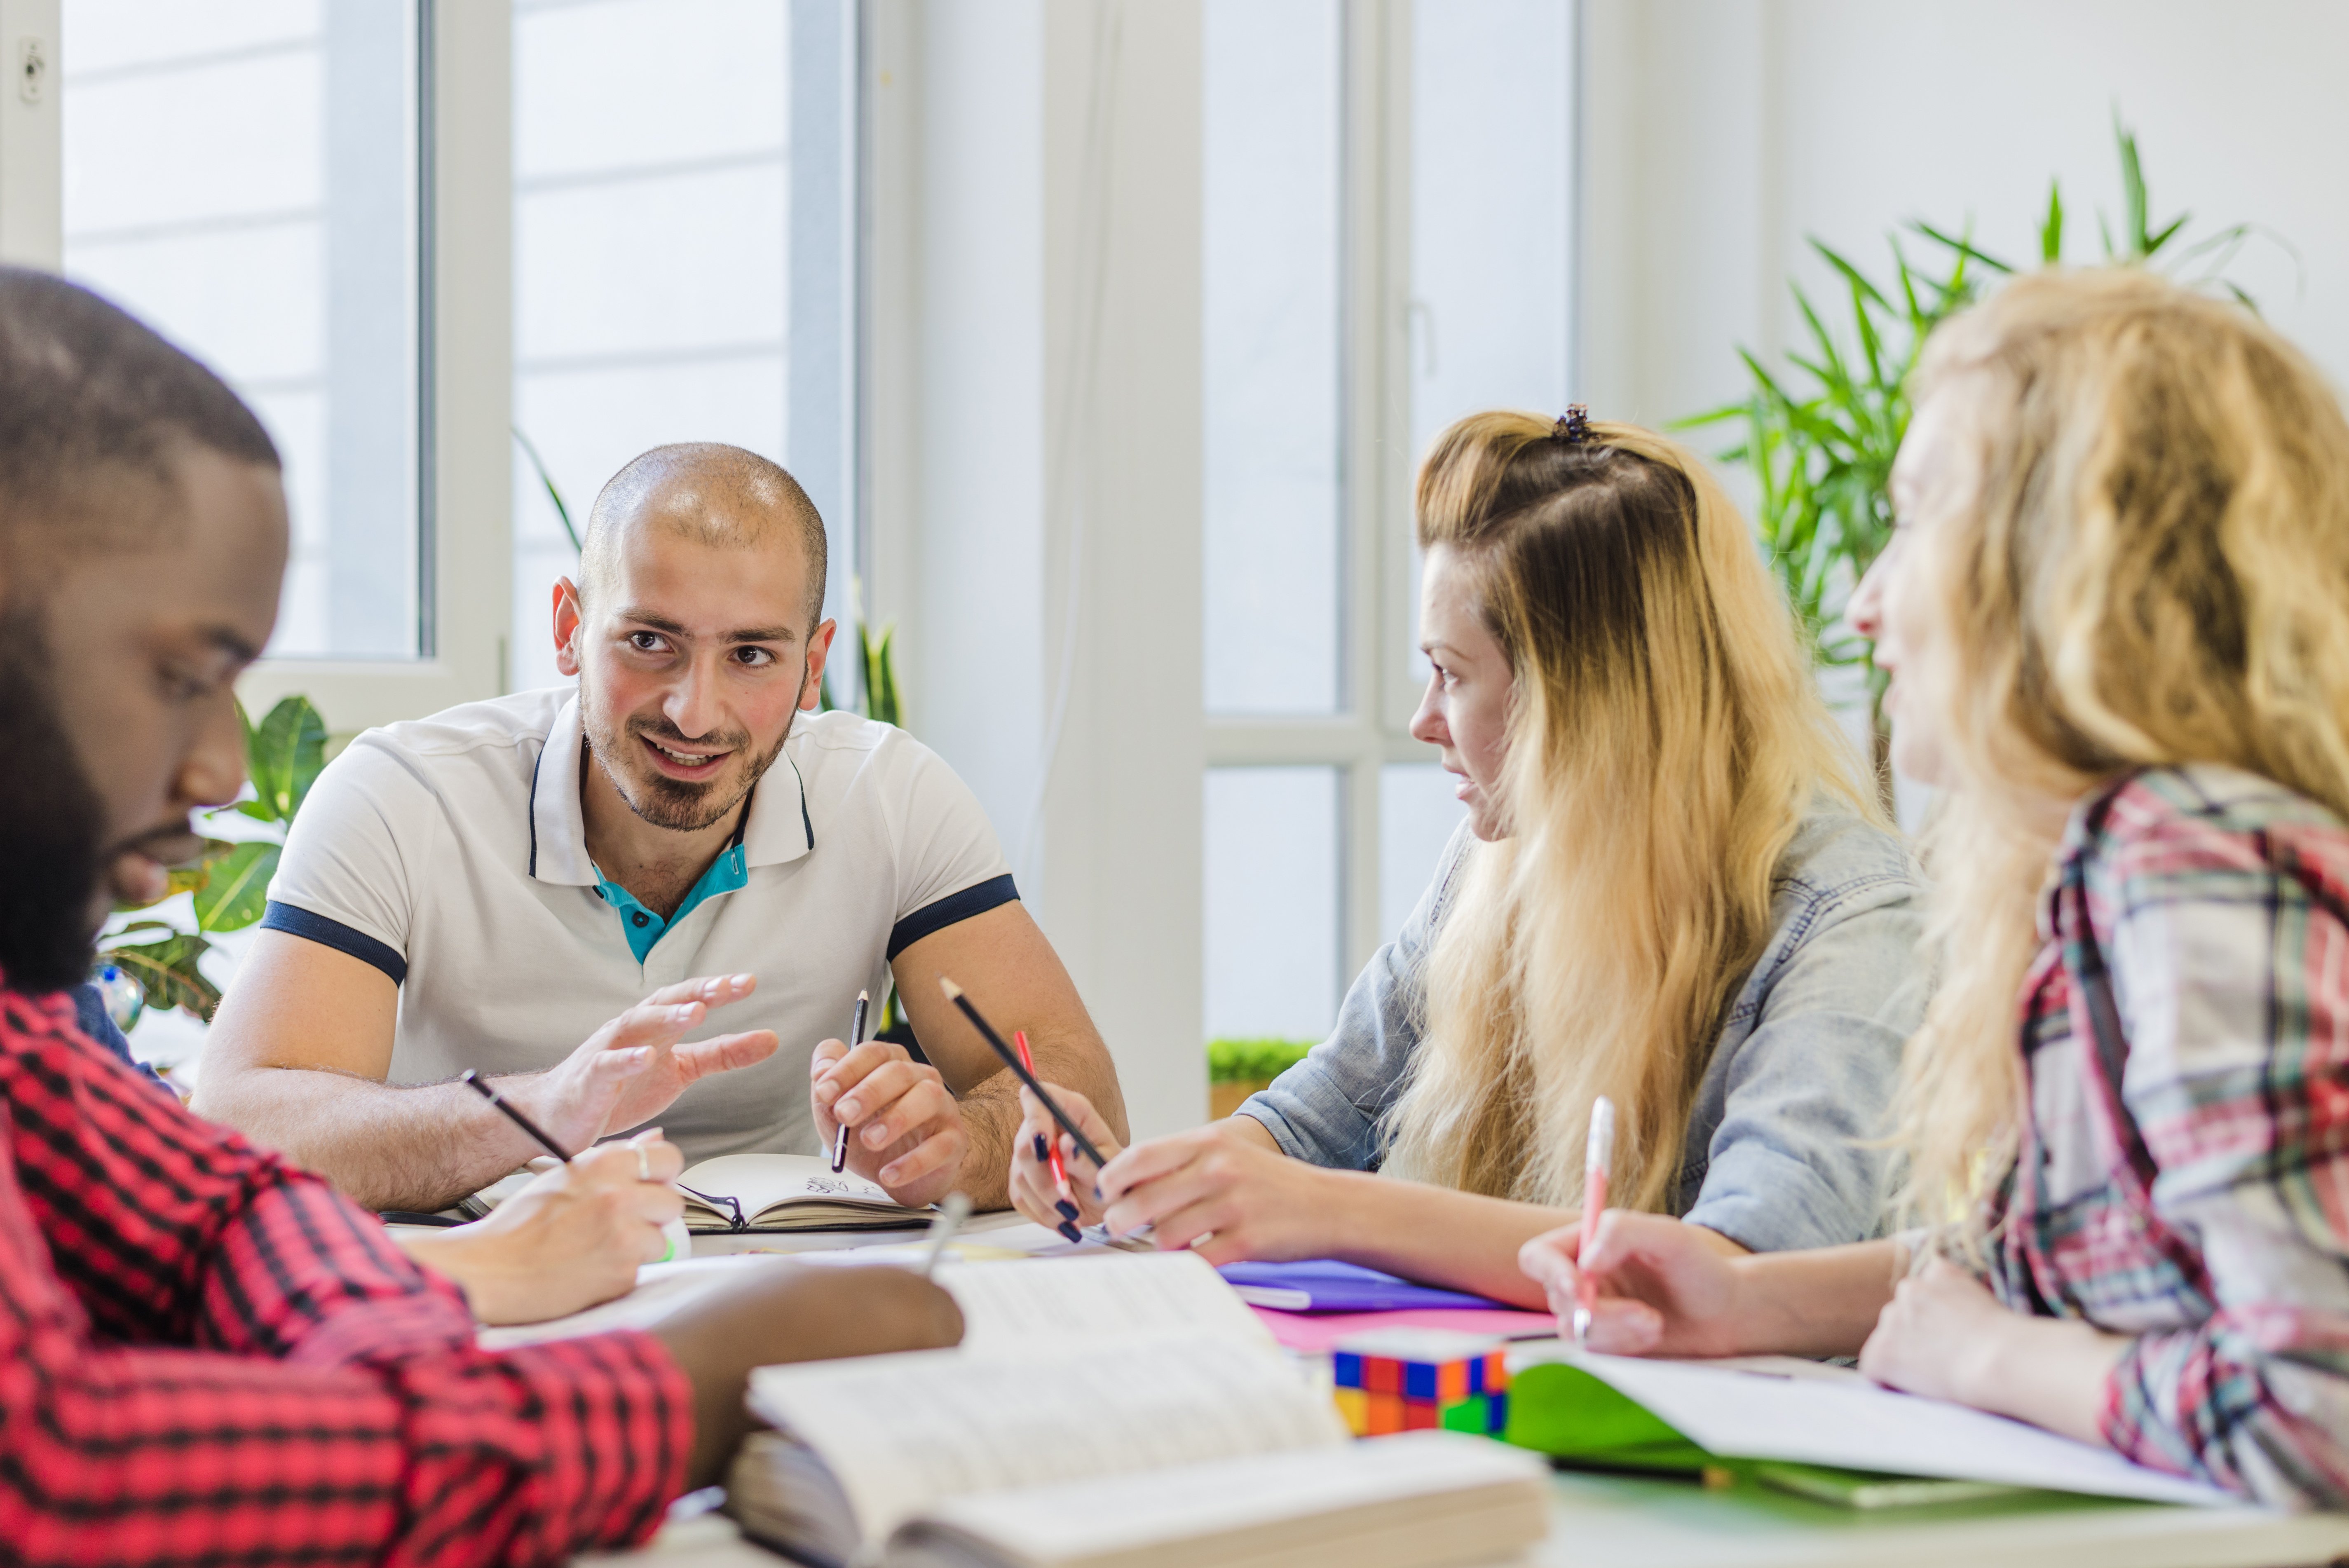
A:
{"points": [[1600, 1154]]}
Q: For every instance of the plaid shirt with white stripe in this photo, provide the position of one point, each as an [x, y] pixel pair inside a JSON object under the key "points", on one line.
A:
{"points": [[208, 1356], [2185, 1180]]}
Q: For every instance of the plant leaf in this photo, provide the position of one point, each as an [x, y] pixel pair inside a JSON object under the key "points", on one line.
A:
{"points": [[238, 889], [546, 480], [285, 754], [2132, 189], [166, 969], [2050, 229], [1964, 247]]}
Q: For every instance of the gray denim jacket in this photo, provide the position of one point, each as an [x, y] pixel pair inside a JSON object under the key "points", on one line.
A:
{"points": [[1800, 1079]]}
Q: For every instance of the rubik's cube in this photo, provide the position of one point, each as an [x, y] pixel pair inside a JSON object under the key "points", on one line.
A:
{"points": [[1404, 1380]]}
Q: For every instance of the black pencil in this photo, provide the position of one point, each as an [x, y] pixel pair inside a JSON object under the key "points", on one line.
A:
{"points": [[482, 1087], [1011, 1059], [855, 1038]]}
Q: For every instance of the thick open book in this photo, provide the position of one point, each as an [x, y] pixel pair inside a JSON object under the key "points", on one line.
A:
{"points": [[787, 1193], [1123, 1410]]}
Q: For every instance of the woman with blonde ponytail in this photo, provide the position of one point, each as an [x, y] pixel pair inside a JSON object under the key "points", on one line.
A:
{"points": [[1673, 890], [2116, 621]]}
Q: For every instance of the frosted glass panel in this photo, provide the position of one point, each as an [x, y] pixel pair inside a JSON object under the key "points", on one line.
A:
{"points": [[1417, 816], [1271, 901], [244, 178], [1491, 127], [1270, 317], [679, 191]]}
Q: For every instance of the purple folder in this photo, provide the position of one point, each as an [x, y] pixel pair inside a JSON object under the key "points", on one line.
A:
{"points": [[1325, 1285]]}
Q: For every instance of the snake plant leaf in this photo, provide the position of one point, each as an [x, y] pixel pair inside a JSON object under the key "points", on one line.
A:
{"points": [[237, 891]]}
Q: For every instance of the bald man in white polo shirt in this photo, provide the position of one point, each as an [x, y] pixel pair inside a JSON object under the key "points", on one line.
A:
{"points": [[488, 887]]}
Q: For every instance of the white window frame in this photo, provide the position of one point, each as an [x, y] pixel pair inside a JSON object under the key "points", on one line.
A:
{"points": [[1379, 691], [465, 528]]}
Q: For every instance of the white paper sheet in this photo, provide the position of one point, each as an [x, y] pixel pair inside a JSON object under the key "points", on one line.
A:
{"points": [[1101, 1295]]}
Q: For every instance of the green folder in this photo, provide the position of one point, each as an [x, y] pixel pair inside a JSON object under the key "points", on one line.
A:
{"points": [[1584, 1422]]}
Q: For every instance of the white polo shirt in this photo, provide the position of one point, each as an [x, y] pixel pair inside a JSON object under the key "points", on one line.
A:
{"points": [[451, 853]]}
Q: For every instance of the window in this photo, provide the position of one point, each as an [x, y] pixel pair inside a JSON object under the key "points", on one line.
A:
{"points": [[1270, 300], [1492, 146], [246, 178], [1324, 821], [681, 258]]}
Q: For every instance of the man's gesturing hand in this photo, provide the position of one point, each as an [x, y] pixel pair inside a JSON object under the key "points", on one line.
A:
{"points": [[628, 1071], [905, 1131]]}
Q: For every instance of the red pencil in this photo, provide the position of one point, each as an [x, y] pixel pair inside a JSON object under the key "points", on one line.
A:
{"points": [[1053, 1148]]}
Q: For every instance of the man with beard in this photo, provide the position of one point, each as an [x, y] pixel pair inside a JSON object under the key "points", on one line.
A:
{"points": [[206, 1354], [483, 888]]}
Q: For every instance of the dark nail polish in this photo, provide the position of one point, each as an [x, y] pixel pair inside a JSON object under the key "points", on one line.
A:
{"points": [[1042, 1153], [1068, 1230], [1067, 1210]]}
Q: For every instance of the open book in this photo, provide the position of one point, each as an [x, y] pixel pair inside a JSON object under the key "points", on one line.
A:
{"points": [[1123, 1410], [1824, 1431], [787, 1193]]}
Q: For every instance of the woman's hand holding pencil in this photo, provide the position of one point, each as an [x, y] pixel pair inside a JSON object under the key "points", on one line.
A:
{"points": [[1064, 1200]]}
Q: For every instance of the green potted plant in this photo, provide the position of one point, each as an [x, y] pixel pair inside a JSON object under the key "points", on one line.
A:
{"points": [[1822, 428], [283, 755], [1236, 1068]]}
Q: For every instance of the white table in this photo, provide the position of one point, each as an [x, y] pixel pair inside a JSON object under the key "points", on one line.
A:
{"points": [[1613, 1522], [1622, 1521]]}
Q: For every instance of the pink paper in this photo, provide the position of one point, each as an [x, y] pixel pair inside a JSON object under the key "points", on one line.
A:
{"points": [[1315, 1332]]}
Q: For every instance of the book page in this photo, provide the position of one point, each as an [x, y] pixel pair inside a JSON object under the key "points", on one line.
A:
{"points": [[1106, 1295], [904, 1430], [761, 1181], [1859, 1425], [1419, 1471]]}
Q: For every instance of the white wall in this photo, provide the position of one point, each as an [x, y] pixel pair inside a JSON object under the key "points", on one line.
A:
{"points": [[1723, 132]]}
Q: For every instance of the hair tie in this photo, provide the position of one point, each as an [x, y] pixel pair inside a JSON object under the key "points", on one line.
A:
{"points": [[1573, 427]]}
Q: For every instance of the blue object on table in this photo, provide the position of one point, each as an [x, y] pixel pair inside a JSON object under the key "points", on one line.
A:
{"points": [[1325, 1285]]}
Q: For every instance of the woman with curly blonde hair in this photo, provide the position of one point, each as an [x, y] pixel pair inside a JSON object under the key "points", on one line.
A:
{"points": [[1673, 890], [2116, 620]]}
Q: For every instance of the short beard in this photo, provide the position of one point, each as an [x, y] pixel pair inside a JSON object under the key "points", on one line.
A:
{"points": [[52, 825], [666, 802]]}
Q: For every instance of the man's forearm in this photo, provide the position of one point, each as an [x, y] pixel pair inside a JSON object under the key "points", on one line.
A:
{"points": [[385, 1146], [991, 1111]]}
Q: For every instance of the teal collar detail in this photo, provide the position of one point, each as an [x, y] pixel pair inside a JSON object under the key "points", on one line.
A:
{"points": [[728, 873]]}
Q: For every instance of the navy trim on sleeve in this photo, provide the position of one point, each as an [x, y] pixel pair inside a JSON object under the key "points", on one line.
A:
{"points": [[951, 910], [333, 933]]}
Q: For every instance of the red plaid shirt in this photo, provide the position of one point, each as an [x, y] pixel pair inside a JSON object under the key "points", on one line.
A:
{"points": [[207, 1356]]}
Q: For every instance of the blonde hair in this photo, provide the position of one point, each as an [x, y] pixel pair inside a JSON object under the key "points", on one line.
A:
{"points": [[2153, 568], [1665, 738]]}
